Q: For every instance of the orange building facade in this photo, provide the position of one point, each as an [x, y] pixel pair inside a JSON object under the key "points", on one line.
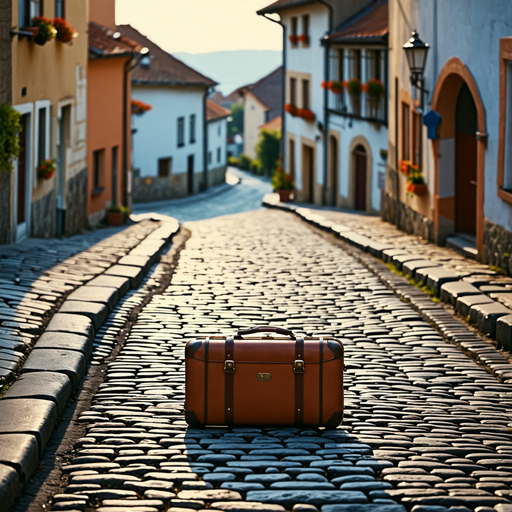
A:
{"points": [[108, 111]]}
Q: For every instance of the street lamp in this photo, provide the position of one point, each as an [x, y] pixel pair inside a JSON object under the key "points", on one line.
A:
{"points": [[416, 53]]}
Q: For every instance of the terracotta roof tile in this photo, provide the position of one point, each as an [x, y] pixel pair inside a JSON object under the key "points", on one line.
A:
{"points": [[102, 43], [215, 112], [279, 5], [164, 69], [369, 23], [275, 124]]}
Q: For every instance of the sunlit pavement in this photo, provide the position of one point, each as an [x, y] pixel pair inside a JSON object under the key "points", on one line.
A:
{"points": [[423, 423], [221, 200]]}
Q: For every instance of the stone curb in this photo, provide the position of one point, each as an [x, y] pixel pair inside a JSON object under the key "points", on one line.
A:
{"points": [[493, 320], [32, 406]]}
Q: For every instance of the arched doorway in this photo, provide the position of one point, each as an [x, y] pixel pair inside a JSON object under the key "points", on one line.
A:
{"points": [[466, 126], [459, 153], [361, 165], [333, 171]]}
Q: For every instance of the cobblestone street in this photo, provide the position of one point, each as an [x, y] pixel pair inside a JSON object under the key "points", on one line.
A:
{"points": [[425, 428]]}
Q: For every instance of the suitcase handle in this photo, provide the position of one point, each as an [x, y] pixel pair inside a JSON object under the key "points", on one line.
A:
{"points": [[264, 328]]}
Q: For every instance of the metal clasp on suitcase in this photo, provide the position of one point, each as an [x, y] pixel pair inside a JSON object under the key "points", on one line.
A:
{"points": [[298, 366], [229, 366]]}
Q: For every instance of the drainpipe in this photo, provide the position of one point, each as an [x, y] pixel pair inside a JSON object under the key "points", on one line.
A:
{"points": [[327, 47], [283, 93], [129, 65]]}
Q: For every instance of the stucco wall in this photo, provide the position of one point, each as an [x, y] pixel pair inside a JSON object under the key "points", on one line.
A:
{"points": [[105, 127], [103, 12], [156, 131], [53, 75], [217, 131], [254, 117]]}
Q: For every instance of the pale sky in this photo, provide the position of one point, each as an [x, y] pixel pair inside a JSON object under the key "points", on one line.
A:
{"points": [[200, 26]]}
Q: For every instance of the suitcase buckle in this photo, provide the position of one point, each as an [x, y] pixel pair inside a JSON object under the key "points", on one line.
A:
{"points": [[229, 366], [298, 366]]}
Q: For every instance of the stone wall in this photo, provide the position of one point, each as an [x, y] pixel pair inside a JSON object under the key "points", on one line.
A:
{"points": [[409, 220], [217, 176], [6, 179], [76, 213], [43, 216], [497, 246]]}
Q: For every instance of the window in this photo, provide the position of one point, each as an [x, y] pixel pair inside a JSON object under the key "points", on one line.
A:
{"points": [[192, 128], [181, 132], [218, 154], [291, 158], [341, 65], [59, 9], [374, 64], [355, 64], [416, 134], [293, 91], [41, 136], [164, 167], [406, 129], [294, 28], [98, 162], [209, 157], [305, 94], [305, 28], [27, 9], [219, 130]]}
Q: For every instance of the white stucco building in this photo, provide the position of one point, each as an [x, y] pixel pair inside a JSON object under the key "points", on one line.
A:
{"points": [[170, 141], [217, 121], [331, 150]]}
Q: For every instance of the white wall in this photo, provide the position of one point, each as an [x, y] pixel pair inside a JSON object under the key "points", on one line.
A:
{"points": [[157, 130], [217, 137], [307, 60], [254, 117]]}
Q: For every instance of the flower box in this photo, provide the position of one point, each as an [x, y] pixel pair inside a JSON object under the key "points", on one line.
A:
{"points": [[417, 189], [65, 32], [306, 114], [304, 39], [291, 109], [46, 30], [46, 169], [293, 39]]}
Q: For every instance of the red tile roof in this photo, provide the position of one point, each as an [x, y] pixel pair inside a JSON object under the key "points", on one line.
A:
{"points": [[103, 44], [370, 23], [279, 5], [215, 112], [164, 69]]}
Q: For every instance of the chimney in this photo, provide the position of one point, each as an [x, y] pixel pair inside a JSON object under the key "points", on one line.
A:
{"points": [[103, 12]]}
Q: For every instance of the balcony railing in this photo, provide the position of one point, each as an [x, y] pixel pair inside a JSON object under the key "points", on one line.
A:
{"points": [[359, 106]]}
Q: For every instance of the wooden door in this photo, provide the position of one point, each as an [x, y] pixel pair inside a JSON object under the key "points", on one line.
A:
{"points": [[22, 174], [190, 174], [307, 173], [361, 172], [465, 162]]}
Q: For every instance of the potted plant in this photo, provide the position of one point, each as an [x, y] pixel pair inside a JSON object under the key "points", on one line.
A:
{"points": [[65, 32], [374, 89], [306, 114], [116, 215], [46, 31], [304, 39], [384, 154], [336, 87], [282, 183], [139, 107], [415, 181], [404, 166], [294, 39], [354, 89], [46, 169], [291, 109]]}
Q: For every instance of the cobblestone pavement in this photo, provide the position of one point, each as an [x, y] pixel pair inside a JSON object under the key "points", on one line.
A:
{"points": [[221, 200], [36, 275], [425, 427]]}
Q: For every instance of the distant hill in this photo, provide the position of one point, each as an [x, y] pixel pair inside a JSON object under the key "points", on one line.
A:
{"points": [[232, 69]]}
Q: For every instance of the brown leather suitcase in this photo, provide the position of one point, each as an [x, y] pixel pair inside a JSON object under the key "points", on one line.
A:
{"points": [[264, 380]]}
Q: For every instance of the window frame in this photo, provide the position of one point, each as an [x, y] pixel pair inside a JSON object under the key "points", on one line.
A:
{"points": [[25, 13], [181, 131], [62, 5], [504, 111], [98, 170], [167, 161]]}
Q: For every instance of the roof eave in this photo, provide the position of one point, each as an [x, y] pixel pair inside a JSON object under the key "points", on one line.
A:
{"points": [[359, 40], [277, 9], [100, 54], [136, 81], [217, 118]]}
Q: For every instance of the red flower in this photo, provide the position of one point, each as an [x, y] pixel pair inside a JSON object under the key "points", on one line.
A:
{"points": [[306, 114], [139, 107], [291, 109], [293, 39], [65, 32]]}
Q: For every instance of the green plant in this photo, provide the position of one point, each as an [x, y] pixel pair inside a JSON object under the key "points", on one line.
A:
{"points": [[244, 162], [117, 208], [46, 169], [232, 160], [282, 180], [256, 167], [374, 88], [46, 30], [236, 119], [353, 86], [268, 149], [384, 154], [10, 126]]}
